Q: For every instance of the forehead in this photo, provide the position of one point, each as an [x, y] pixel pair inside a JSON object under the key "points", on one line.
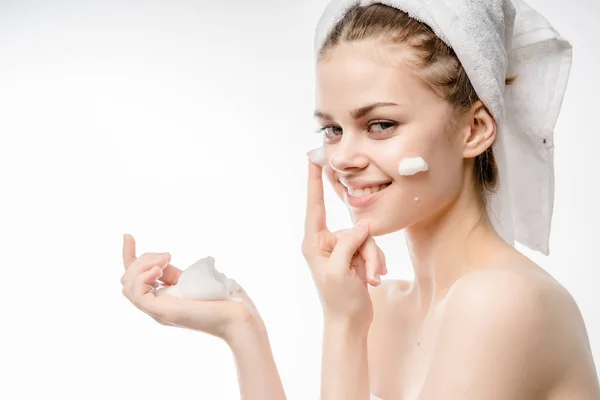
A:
{"points": [[369, 71]]}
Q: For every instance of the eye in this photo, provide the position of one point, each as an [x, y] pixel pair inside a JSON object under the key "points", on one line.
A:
{"points": [[380, 128], [329, 132]]}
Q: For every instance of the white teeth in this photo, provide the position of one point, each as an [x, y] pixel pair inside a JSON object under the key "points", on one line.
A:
{"points": [[366, 191]]}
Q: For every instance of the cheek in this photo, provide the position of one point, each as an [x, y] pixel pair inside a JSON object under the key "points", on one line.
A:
{"points": [[335, 184], [444, 173], [392, 152], [445, 170]]}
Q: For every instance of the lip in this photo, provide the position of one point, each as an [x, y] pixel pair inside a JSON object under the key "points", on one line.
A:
{"points": [[363, 201], [362, 184]]}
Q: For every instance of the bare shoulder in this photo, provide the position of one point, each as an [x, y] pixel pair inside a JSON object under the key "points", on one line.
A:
{"points": [[519, 309], [524, 288], [522, 276], [522, 293]]}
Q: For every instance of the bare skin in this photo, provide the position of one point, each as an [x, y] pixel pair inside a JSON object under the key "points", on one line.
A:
{"points": [[240, 326], [412, 351], [480, 320]]}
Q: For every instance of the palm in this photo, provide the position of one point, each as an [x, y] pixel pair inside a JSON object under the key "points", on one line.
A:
{"points": [[207, 316]]}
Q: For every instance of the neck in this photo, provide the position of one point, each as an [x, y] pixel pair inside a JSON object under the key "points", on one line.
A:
{"points": [[446, 246]]}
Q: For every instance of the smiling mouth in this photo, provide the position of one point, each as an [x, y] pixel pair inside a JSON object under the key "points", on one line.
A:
{"points": [[366, 191]]}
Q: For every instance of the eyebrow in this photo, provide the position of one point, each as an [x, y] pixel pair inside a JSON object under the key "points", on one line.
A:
{"points": [[357, 113]]}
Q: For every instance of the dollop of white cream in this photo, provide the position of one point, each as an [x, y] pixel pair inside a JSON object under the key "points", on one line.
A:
{"points": [[318, 156], [411, 166], [202, 281]]}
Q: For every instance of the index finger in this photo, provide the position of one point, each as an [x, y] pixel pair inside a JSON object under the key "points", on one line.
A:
{"points": [[315, 220]]}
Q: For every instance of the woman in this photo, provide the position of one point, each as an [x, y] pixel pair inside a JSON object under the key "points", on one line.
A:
{"points": [[480, 320]]}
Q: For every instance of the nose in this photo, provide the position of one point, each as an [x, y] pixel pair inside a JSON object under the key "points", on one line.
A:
{"points": [[348, 155]]}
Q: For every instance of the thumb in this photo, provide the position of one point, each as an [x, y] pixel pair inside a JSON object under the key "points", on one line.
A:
{"points": [[349, 244]]}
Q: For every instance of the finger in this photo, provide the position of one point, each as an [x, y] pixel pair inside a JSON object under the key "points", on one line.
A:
{"points": [[358, 260], [128, 250], [315, 220], [372, 256], [155, 285], [349, 244], [383, 262], [318, 156], [171, 275], [370, 253], [144, 263], [359, 266], [141, 286], [148, 260], [341, 232], [126, 276]]}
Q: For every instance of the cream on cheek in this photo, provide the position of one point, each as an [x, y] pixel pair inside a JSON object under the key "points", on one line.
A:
{"points": [[405, 166], [412, 165]]}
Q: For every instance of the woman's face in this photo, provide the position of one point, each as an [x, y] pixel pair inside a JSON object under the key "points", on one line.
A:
{"points": [[375, 111]]}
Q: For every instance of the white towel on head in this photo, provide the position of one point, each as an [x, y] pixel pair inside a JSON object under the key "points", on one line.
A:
{"points": [[495, 40]]}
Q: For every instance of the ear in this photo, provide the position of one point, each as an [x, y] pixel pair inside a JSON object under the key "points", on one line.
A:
{"points": [[479, 132]]}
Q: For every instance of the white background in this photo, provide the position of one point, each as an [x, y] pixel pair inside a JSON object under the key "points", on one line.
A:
{"points": [[185, 124]]}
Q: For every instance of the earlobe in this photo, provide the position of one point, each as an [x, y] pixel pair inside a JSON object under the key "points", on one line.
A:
{"points": [[482, 131]]}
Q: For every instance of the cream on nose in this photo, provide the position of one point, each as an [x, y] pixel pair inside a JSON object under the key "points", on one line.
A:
{"points": [[318, 156]]}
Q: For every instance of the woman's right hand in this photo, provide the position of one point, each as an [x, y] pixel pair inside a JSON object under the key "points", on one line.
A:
{"points": [[226, 319], [342, 264]]}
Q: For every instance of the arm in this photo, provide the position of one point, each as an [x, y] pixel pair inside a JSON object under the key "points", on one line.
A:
{"points": [[498, 339], [344, 367], [257, 372]]}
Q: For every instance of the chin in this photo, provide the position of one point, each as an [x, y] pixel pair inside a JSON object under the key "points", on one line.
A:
{"points": [[381, 225], [379, 229], [390, 213]]}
